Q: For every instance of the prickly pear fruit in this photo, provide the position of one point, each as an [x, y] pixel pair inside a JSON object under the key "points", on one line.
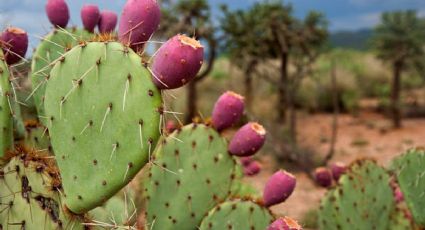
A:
{"points": [[248, 140], [323, 177], [14, 42], [252, 168], [57, 12], [337, 170], [285, 223], [90, 16], [170, 126], [278, 188], [227, 110], [245, 161], [398, 195], [177, 62], [108, 21], [139, 20]]}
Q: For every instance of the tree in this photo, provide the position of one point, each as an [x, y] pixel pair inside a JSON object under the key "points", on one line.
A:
{"points": [[239, 41], [399, 40], [192, 18]]}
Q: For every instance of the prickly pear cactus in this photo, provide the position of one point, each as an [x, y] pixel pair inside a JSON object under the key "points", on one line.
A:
{"points": [[104, 116], [191, 173], [410, 174], [30, 195], [237, 214], [362, 200], [37, 137], [6, 113], [399, 221], [52, 46], [120, 210]]}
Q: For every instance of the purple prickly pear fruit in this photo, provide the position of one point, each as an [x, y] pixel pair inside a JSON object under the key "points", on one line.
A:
{"points": [[338, 169], [57, 12], [285, 223], [398, 195], [170, 126], [90, 16], [252, 168], [278, 188], [323, 177], [139, 20], [177, 62], [227, 110], [245, 161], [107, 22], [14, 42], [247, 140]]}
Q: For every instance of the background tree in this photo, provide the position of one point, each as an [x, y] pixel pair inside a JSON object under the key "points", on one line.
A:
{"points": [[194, 19], [399, 40], [239, 41]]}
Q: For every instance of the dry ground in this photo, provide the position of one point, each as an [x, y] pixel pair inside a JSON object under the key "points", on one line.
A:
{"points": [[367, 135]]}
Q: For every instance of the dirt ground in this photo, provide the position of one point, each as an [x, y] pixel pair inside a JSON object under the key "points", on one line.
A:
{"points": [[366, 135]]}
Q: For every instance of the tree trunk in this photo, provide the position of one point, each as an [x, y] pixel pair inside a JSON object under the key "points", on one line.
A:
{"points": [[282, 104], [292, 120], [395, 95], [192, 98]]}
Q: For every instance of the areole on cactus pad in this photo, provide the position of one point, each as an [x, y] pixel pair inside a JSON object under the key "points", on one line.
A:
{"points": [[93, 103]]}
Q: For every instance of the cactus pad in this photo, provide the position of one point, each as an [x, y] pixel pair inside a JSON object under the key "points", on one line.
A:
{"points": [[29, 196], [237, 214], [52, 47], [37, 137], [104, 114], [6, 118], [362, 200], [409, 170], [191, 173]]}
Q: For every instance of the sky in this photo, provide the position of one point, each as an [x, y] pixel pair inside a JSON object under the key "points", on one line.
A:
{"points": [[341, 14]]}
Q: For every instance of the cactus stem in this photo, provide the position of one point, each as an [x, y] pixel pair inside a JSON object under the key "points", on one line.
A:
{"points": [[47, 40]]}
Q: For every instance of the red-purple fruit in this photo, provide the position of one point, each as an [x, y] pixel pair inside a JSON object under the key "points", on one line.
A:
{"points": [[323, 177], [338, 169], [57, 12], [247, 140], [90, 16], [398, 194], [170, 126], [278, 188], [285, 223], [107, 22], [139, 20], [14, 43], [245, 161], [177, 62], [227, 110], [252, 168]]}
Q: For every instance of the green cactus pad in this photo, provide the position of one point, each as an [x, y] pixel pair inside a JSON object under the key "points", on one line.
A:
{"points": [[52, 46], [29, 197], [104, 118], [120, 210], [6, 114], [409, 171], [362, 200], [37, 137], [237, 214], [399, 221], [192, 172]]}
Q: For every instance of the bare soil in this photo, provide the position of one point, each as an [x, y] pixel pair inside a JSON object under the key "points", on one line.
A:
{"points": [[366, 135]]}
